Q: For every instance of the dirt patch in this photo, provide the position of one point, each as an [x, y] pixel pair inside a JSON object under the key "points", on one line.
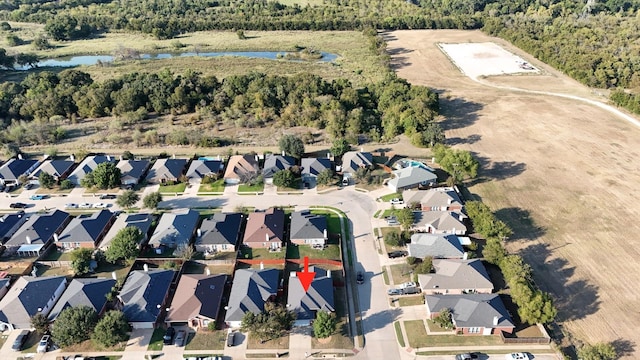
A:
{"points": [[563, 173]]}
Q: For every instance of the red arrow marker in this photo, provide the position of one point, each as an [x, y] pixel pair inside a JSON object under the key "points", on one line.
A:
{"points": [[305, 276]]}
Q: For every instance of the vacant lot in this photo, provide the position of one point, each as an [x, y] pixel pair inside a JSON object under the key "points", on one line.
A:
{"points": [[562, 173]]}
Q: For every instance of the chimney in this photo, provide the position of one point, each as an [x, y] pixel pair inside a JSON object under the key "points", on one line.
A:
{"points": [[266, 237], [325, 234], [207, 271], [72, 157], [328, 155], [173, 156], [20, 156], [329, 274], [120, 157], [293, 274], [114, 276], [108, 157], [257, 158], [465, 256], [282, 152], [55, 237], [28, 240], [2, 219], [199, 232], [145, 267], [261, 265], [495, 320]]}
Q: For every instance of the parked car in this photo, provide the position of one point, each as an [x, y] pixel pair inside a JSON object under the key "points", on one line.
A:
{"points": [[396, 201], [43, 345], [406, 285], [38, 197], [396, 254], [394, 292], [84, 206], [167, 339], [466, 356], [20, 340], [517, 356], [28, 186], [18, 205], [360, 277], [107, 197], [70, 206], [100, 205], [181, 336], [230, 338]]}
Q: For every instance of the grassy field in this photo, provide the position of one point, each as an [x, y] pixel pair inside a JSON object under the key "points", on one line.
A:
{"points": [[400, 273], [355, 61], [172, 189], [217, 186], [206, 340]]}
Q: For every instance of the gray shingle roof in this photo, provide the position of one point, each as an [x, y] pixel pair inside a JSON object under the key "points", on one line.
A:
{"points": [[132, 169], [26, 296], [435, 245], [251, 289], [434, 199], [305, 225], [140, 220], [472, 310], [142, 292], [201, 168], [175, 228], [166, 169], [12, 169], [314, 166], [90, 292], [411, 177], [54, 167], [86, 228], [274, 163], [353, 160], [441, 221], [10, 223], [88, 165], [219, 229], [456, 274], [318, 297], [39, 228]]}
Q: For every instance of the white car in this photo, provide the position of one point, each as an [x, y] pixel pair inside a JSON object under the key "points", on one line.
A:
{"points": [[517, 356], [406, 285], [84, 206], [396, 201], [43, 345], [71, 206], [99, 205]]}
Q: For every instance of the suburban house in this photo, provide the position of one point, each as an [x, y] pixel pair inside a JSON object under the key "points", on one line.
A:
{"points": [[28, 296], [175, 228], [140, 220], [456, 276], [144, 295], [439, 222], [88, 165], [91, 292], [436, 199], [473, 314], [438, 246], [9, 224], [132, 171], [319, 296], [196, 301], [37, 233], [354, 160], [201, 168], [265, 229], [219, 232], [251, 289], [59, 169], [86, 230], [274, 163], [166, 171], [240, 168], [312, 167], [308, 228], [14, 168], [411, 177], [5, 283]]}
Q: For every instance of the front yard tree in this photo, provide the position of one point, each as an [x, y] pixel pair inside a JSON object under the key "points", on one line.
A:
{"points": [[444, 319], [74, 325], [152, 200], [599, 351], [124, 245], [127, 199], [40, 323], [392, 238], [292, 146], [106, 175], [111, 329], [405, 217], [325, 177], [284, 178], [81, 260], [325, 324], [273, 322], [46, 180]]}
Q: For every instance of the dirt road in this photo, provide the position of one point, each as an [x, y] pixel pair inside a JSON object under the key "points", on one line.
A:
{"points": [[563, 173]]}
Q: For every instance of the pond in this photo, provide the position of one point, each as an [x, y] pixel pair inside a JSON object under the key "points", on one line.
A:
{"points": [[94, 59]]}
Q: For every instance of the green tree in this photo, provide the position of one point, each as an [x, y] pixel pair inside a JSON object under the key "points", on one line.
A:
{"points": [[405, 217], [284, 178], [599, 351], [430, 136], [325, 324], [152, 200], [339, 147], [81, 260], [325, 177], [111, 329], [536, 309], [458, 163], [46, 180], [40, 323], [127, 155], [392, 238], [66, 184], [425, 266], [74, 325], [13, 40], [127, 199], [291, 145], [41, 43], [106, 175], [124, 245], [5, 26], [271, 323], [444, 319]]}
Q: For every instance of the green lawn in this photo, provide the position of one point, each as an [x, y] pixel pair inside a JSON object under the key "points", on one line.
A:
{"points": [[416, 333], [206, 340], [433, 327], [196, 268], [172, 189], [388, 197], [279, 343], [249, 253], [418, 337], [155, 344], [54, 190], [339, 340], [105, 270], [400, 273], [216, 186], [331, 252], [399, 336], [251, 189], [411, 300]]}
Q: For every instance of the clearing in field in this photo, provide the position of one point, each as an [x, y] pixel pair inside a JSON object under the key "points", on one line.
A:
{"points": [[484, 59]]}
